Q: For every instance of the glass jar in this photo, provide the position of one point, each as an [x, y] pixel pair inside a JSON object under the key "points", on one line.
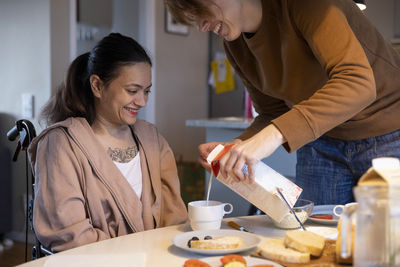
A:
{"points": [[394, 217], [372, 231]]}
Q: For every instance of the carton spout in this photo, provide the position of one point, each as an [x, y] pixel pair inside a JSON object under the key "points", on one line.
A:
{"points": [[215, 155]]}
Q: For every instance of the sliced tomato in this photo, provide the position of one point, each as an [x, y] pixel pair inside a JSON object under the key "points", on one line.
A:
{"points": [[232, 257], [322, 216], [195, 263]]}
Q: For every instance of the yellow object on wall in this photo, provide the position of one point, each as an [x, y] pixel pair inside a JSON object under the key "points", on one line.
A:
{"points": [[223, 76]]}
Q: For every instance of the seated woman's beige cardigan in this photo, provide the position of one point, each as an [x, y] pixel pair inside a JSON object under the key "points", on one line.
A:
{"points": [[82, 197]]}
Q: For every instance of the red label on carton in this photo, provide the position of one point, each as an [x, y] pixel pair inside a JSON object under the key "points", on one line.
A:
{"points": [[215, 162]]}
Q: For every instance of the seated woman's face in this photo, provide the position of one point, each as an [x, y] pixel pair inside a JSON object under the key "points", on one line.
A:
{"points": [[124, 96]]}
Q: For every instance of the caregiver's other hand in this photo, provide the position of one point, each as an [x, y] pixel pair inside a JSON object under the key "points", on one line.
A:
{"points": [[206, 148], [250, 152]]}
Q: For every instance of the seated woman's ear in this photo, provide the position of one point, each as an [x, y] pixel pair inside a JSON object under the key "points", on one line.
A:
{"points": [[97, 85]]}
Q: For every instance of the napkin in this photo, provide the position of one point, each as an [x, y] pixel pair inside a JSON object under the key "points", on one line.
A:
{"points": [[84, 260]]}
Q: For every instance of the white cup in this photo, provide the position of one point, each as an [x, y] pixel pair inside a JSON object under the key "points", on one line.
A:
{"points": [[339, 209], [207, 215]]}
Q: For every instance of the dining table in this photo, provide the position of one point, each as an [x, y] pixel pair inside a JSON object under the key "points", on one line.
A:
{"points": [[155, 247]]}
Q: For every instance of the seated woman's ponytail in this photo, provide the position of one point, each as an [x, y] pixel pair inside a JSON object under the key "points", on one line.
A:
{"points": [[73, 97]]}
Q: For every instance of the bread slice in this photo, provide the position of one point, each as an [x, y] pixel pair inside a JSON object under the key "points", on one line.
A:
{"points": [[274, 249], [224, 242], [305, 241]]}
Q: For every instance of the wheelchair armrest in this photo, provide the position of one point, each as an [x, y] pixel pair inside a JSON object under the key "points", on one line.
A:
{"points": [[45, 251], [42, 252]]}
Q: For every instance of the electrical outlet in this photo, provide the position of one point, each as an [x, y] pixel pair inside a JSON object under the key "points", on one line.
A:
{"points": [[27, 100]]}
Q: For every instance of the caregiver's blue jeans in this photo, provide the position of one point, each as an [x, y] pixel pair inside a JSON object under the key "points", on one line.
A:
{"points": [[328, 168]]}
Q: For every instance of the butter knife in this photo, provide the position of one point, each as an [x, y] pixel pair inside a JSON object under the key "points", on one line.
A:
{"points": [[237, 226], [290, 208]]}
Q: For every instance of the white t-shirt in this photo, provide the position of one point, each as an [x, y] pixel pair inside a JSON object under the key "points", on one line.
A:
{"points": [[133, 173]]}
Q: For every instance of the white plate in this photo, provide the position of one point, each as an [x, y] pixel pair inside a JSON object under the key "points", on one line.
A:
{"points": [[250, 241], [327, 232], [251, 261], [324, 209]]}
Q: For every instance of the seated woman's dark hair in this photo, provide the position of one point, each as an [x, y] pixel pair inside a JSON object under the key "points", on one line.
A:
{"points": [[74, 97]]}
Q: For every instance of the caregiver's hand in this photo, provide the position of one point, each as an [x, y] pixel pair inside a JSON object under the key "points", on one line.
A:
{"points": [[206, 148], [249, 152]]}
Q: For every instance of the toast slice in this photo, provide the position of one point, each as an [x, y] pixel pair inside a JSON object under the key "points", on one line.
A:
{"points": [[224, 242], [274, 249], [305, 241]]}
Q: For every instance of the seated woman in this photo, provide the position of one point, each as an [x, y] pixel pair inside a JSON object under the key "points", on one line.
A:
{"points": [[102, 172]]}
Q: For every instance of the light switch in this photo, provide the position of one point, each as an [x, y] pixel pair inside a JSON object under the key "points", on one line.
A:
{"points": [[27, 100]]}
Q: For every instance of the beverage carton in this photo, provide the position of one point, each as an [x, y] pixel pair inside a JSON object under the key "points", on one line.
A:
{"points": [[262, 193], [385, 171]]}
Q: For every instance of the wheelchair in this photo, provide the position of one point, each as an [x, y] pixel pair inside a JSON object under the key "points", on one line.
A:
{"points": [[25, 131]]}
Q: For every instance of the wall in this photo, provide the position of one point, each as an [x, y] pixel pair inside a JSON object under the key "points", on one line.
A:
{"points": [[382, 15], [93, 23], [62, 39], [24, 68], [102, 16], [24, 53], [126, 17], [35, 51], [181, 91], [147, 34]]}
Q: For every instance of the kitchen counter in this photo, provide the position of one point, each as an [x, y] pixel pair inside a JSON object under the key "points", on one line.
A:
{"points": [[227, 123], [226, 129]]}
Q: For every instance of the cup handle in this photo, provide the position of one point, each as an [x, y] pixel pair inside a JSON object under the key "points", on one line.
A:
{"points": [[346, 236], [230, 208], [341, 207]]}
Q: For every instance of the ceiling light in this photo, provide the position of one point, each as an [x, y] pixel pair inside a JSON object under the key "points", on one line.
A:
{"points": [[361, 4]]}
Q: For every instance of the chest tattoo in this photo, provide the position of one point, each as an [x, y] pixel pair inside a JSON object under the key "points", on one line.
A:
{"points": [[122, 155]]}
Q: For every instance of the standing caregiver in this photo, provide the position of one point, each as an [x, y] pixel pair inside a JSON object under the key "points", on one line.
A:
{"points": [[322, 78]]}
